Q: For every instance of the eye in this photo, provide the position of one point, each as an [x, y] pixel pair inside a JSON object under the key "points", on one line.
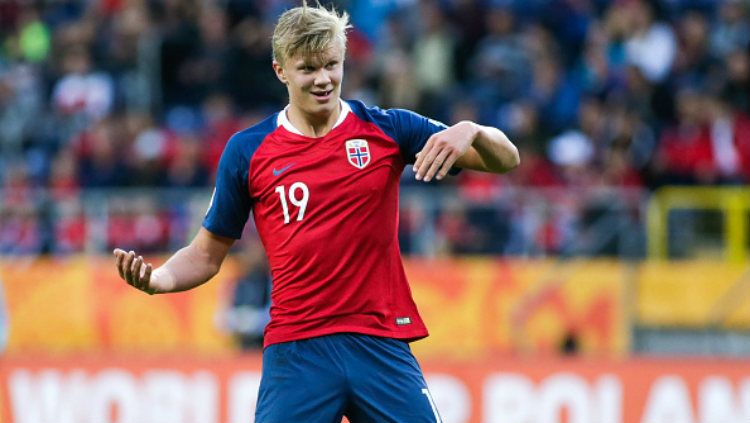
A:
{"points": [[331, 65]]}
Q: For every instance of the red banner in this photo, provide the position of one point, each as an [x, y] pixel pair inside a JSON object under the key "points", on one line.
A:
{"points": [[102, 389]]}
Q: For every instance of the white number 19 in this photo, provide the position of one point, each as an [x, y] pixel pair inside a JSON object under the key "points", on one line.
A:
{"points": [[300, 203]]}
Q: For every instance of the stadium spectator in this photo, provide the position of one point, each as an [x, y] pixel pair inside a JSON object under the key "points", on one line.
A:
{"points": [[737, 87], [219, 123], [253, 84], [101, 155], [554, 94], [694, 62], [629, 149], [149, 149], [394, 65], [501, 65], [187, 167], [731, 30], [685, 154], [74, 72], [468, 18], [729, 131], [21, 103], [434, 58], [70, 228], [83, 89], [650, 44]]}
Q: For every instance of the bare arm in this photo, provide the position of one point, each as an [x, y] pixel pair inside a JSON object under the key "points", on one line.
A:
{"points": [[491, 151], [189, 267], [467, 145]]}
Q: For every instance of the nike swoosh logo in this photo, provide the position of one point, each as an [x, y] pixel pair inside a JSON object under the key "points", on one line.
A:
{"points": [[282, 170]]}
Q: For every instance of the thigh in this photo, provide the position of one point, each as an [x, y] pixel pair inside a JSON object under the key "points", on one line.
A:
{"points": [[300, 383], [387, 385]]}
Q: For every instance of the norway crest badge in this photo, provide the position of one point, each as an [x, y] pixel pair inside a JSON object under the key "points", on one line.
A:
{"points": [[358, 153]]}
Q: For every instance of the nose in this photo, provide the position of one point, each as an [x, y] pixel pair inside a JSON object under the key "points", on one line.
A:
{"points": [[322, 78]]}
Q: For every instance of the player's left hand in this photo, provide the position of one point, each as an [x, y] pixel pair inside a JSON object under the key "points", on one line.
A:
{"points": [[443, 149]]}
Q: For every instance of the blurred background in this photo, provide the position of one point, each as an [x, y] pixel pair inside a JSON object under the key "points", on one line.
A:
{"points": [[603, 281]]}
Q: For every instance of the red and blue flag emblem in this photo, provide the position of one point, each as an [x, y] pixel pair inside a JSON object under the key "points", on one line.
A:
{"points": [[358, 153]]}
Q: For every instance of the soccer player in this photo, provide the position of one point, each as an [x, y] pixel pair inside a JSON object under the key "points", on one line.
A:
{"points": [[322, 179]]}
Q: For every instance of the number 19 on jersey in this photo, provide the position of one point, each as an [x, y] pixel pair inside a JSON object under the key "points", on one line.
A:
{"points": [[298, 200]]}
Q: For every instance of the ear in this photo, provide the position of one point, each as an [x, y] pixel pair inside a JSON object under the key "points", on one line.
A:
{"points": [[279, 71]]}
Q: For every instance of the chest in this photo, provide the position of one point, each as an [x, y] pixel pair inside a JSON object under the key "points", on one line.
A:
{"points": [[299, 172]]}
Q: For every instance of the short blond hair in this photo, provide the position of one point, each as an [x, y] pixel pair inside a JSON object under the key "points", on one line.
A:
{"points": [[308, 31]]}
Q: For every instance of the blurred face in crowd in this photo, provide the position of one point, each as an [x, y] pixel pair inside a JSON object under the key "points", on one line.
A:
{"points": [[314, 81], [689, 107], [738, 66]]}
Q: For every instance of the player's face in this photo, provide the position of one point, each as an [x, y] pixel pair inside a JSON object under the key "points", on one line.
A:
{"points": [[314, 83]]}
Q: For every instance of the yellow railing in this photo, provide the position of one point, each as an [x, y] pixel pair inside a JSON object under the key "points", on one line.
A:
{"points": [[733, 202]]}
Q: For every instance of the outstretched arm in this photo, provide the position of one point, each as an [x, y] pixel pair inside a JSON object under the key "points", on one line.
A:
{"points": [[467, 145], [187, 268]]}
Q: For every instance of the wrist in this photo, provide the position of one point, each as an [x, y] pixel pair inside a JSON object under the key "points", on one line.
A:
{"points": [[474, 128], [475, 131], [162, 281]]}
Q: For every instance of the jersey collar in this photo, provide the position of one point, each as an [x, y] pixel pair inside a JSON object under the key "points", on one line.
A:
{"points": [[282, 119]]}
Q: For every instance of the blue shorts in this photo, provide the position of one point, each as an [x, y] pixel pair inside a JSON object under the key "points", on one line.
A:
{"points": [[365, 378]]}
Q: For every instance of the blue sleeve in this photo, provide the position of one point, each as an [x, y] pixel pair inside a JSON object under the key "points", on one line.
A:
{"points": [[230, 203], [411, 131]]}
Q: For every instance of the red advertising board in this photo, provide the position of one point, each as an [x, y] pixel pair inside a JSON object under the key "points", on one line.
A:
{"points": [[180, 389]]}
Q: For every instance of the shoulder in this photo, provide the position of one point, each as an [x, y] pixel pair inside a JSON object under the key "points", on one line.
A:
{"points": [[245, 142], [362, 110], [256, 133], [377, 114], [392, 119], [408, 129]]}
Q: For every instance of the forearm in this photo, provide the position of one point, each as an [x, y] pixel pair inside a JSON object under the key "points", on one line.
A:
{"points": [[188, 268], [495, 150], [467, 145]]}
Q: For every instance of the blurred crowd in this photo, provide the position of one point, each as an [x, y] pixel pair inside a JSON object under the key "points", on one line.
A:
{"points": [[145, 93]]}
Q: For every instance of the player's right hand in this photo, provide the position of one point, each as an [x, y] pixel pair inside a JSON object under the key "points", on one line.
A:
{"points": [[134, 271]]}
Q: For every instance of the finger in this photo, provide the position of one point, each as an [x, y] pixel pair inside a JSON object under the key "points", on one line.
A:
{"points": [[428, 156], [140, 272], [119, 257], [144, 281], [146, 271], [147, 278], [421, 155], [127, 267], [436, 164], [136, 272], [447, 165]]}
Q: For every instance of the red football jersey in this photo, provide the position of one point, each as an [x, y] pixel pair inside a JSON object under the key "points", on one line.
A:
{"points": [[326, 210]]}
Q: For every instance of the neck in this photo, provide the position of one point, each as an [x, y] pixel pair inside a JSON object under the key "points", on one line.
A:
{"points": [[312, 125]]}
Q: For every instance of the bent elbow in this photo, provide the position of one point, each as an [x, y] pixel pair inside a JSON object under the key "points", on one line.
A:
{"points": [[512, 161], [516, 158]]}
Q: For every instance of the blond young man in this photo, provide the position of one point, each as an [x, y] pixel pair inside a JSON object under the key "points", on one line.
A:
{"points": [[321, 178]]}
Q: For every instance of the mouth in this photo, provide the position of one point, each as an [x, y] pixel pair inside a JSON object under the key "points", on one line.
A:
{"points": [[322, 95]]}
